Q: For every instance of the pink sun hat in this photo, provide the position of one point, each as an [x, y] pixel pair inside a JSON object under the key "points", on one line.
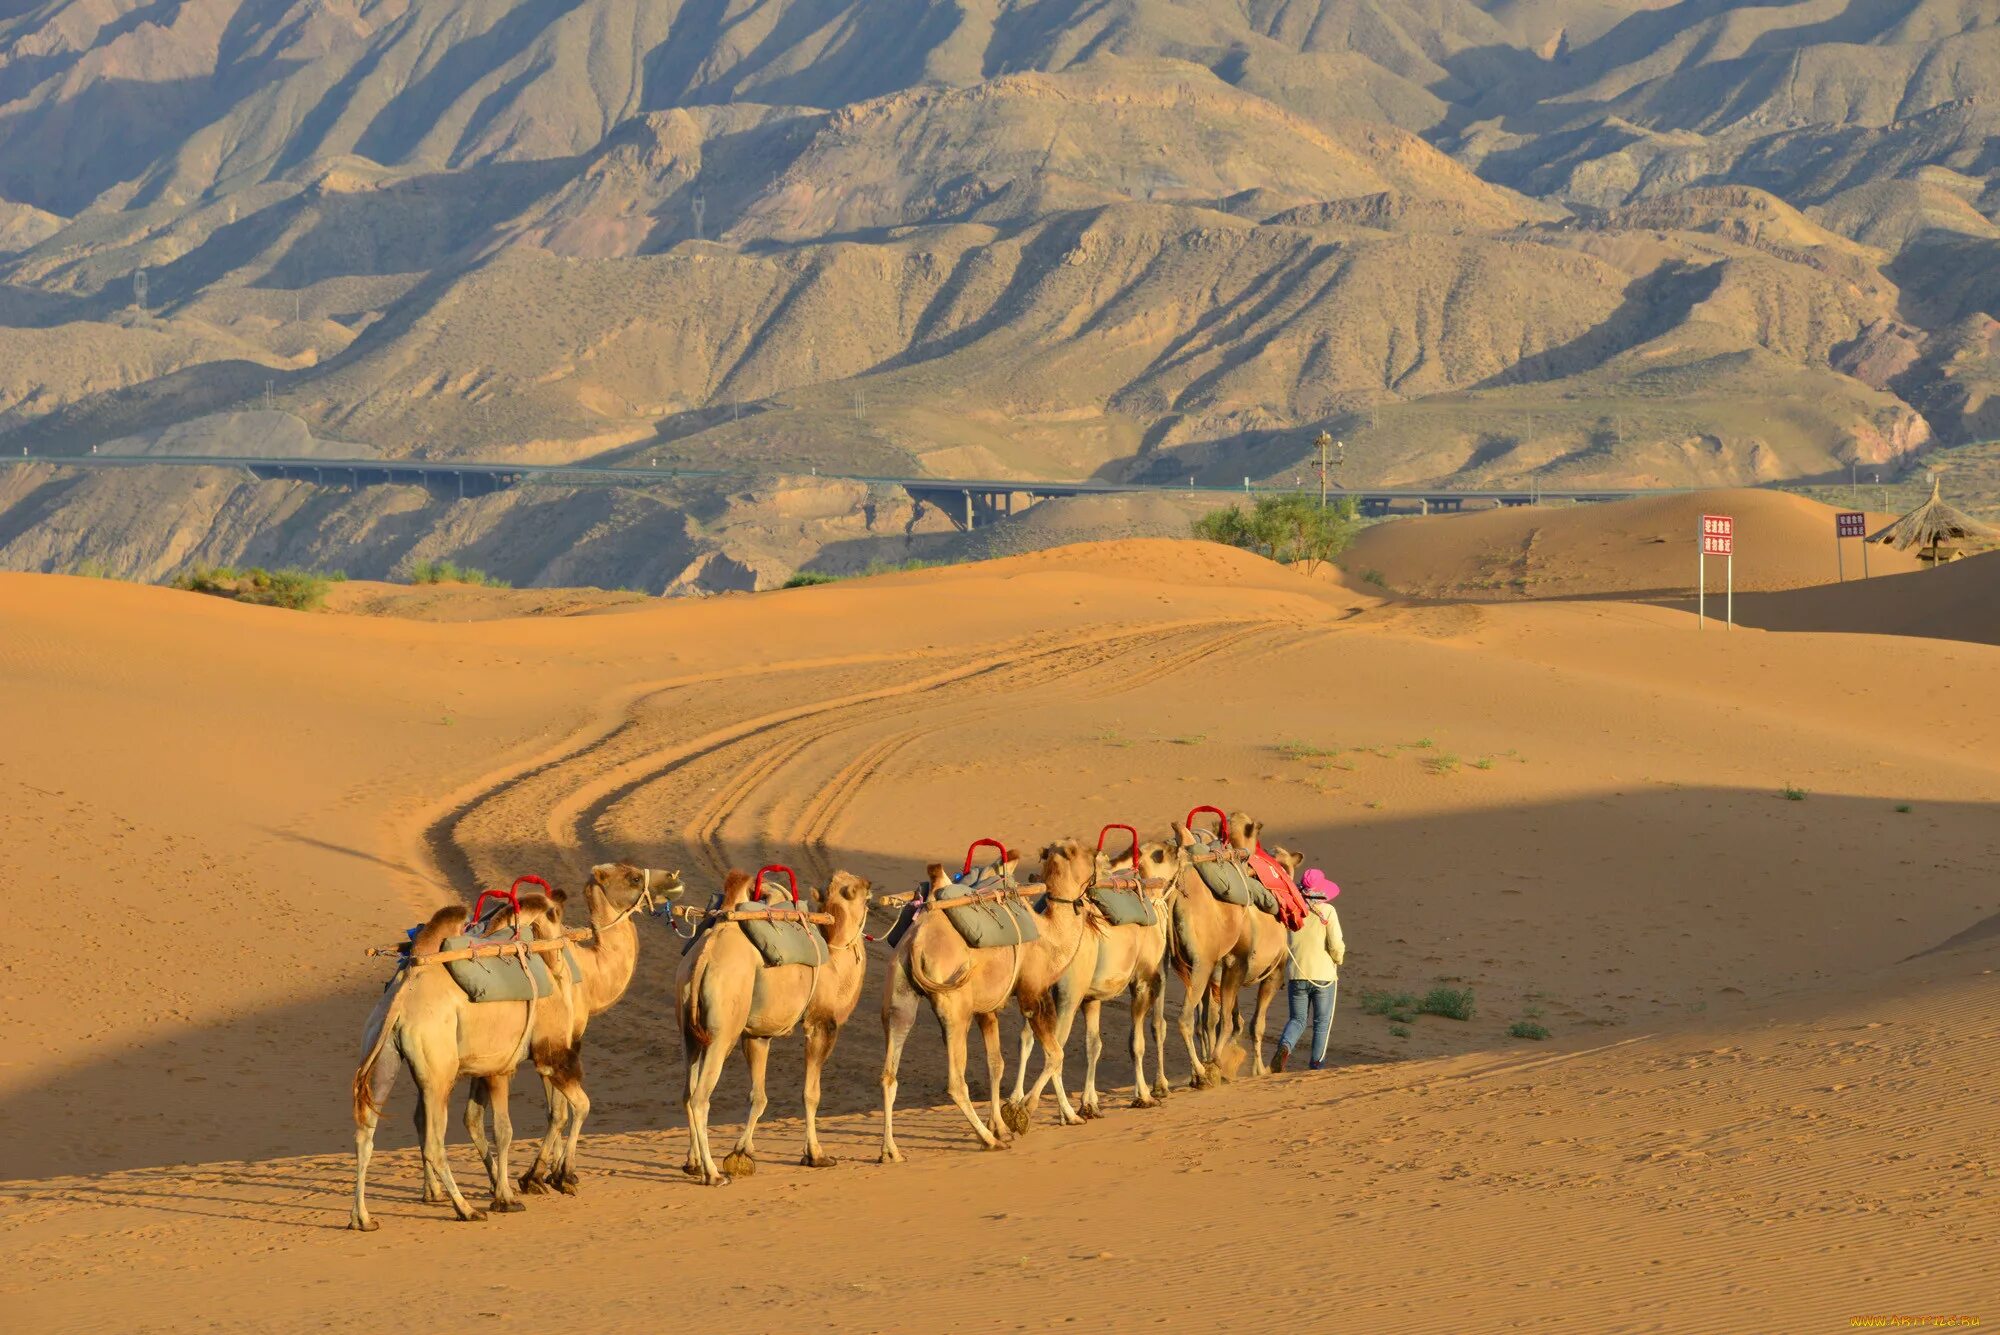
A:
{"points": [[1315, 885]]}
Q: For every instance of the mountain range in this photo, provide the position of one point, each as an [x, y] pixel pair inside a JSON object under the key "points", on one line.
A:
{"points": [[1568, 241]]}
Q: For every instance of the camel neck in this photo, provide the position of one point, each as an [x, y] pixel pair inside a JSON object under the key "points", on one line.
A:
{"points": [[610, 954]]}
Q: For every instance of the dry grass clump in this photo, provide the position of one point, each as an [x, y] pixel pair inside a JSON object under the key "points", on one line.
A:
{"points": [[299, 590]]}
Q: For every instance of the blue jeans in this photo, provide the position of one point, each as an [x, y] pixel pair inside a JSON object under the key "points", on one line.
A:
{"points": [[1310, 1002]]}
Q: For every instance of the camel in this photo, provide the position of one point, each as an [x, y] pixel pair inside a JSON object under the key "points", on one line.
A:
{"points": [[1109, 960], [728, 994], [965, 984], [614, 895], [441, 1034], [1259, 958], [1217, 943]]}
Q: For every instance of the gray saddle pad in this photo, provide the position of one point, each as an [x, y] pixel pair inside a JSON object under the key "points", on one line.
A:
{"points": [[997, 922], [785, 942], [1233, 882], [496, 978], [1124, 908]]}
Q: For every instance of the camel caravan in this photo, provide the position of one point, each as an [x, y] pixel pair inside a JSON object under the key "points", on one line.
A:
{"points": [[477, 993]]}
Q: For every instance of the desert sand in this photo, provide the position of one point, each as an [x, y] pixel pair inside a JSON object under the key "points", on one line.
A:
{"points": [[1764, 1104]]}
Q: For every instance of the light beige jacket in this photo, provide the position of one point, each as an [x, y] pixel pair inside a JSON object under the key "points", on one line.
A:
{"points": [[1317, 947]]}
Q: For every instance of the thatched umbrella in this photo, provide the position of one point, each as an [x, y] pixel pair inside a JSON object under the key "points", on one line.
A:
{"points": [[1933, 527]]}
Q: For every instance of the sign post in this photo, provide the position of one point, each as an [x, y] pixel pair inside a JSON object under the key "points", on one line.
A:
{"points": [[1718, 538], [1850, 524]]}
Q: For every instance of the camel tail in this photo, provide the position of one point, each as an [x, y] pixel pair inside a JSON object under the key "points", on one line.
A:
{"points": [[691, 1025], [366, 1109]]}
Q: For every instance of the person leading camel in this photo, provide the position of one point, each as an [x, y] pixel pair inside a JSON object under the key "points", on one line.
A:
{"points": [[1312, 975]]}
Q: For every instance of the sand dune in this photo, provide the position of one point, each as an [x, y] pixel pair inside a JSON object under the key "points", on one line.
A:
{"points": [[1957, 601], [1626, 547], [1772, 1020]]}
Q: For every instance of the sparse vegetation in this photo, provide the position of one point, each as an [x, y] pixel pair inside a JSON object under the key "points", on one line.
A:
{"points": [[1453, 1003], [1484, 762], [299, 590], [1194, 739], [450, 572], [805, 579], [92, 567], [1291, 529], [1903, 808], [1528, 1029], [1442, 763], [1398, 1007], [1306, 751], [1792, 793], [1400, 1030]]}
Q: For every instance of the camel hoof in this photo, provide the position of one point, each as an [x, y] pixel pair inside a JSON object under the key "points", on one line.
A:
{"points": [[823, 1161], [474, 1217], [534, 1186], [567, 1184], [739, 1164], [1161, 1090], [432, 1196], [363, 1225], [1145, 1103], [691, 1169], [718, 1180], [892, 1156], [506, 1207]]}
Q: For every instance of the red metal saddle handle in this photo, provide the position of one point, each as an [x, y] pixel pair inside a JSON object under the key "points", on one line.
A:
{"points": [[512, 894], [976, 845], [757, 886], [1129, 830], [1219, 814]]}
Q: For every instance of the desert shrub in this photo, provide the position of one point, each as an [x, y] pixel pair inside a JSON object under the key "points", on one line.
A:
{"points": [[1397, 1006], [1528, 1029], [92, 567], [805, 579], [1453, 1003], [450, 572], [1290, 529], [1792, 793], [299, 590]]}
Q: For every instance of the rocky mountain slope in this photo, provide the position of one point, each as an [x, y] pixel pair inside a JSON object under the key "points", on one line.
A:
{"points": [[1575, 241]]}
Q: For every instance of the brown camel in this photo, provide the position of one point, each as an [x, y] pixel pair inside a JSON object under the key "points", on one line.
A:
{"points": [[1258, 961], [1109, 960], [428, 1021], [727, 994], [966, 984], [615, 894], [1214, 947]]}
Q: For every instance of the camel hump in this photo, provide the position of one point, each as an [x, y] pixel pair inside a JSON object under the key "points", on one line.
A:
{"points": [[736, 889], [445, 922]]}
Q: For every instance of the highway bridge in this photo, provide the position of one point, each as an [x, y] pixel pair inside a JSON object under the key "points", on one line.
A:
{"points": [[971, 500]]}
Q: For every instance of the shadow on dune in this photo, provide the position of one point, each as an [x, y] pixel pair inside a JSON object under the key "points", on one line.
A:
{"points": [[1650, 905]]}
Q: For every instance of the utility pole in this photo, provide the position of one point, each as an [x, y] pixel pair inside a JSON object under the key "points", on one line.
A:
{"points": [[1323, 442]]}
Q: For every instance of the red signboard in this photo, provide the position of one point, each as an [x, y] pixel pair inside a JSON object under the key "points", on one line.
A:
{"points": [[1850, 524], [1718, 535]]}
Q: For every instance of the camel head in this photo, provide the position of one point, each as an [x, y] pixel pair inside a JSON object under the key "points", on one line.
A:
{"points": [[1243, 831], [628, 889], [540, 917], [1069, 864], [938, 877], [1289, 860], [1158, 861], [846, 898]]}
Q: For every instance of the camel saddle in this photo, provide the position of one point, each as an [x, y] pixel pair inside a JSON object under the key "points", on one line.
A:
{"points": [[993, 922], [1122, 903], [781, 942], [1227, 874], [1272, 873], [497, 977]]}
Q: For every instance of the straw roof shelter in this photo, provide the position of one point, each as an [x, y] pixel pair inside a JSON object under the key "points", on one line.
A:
{"points": [[1934, 527]]}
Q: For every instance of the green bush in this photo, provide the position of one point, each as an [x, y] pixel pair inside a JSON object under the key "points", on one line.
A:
{"points": [[1453, 1003], [1527, 1029], [450, 572], [299, 590], [1397, 1006], [1291, 529], [805, 579]]}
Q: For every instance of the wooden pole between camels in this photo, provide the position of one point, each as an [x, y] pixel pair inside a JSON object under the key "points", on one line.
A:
{"points": [[514, 949]]}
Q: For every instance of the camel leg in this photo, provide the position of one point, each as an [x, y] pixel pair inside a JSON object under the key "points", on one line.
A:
{"points": [[1051, 1023], [954, 1022], [704, 1070], [742, 1160], [1093, 1048], [380, 1080], [437, 1102], [504, 1199], [547, 1154], [996, 1072], [820, 1039], [1267, 990], [1020, 1094], [569, 1094], [477, 1100], [1197, 993], [1142, 1015], [1160, 1087], [899, 1013], [433, 1189]]}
